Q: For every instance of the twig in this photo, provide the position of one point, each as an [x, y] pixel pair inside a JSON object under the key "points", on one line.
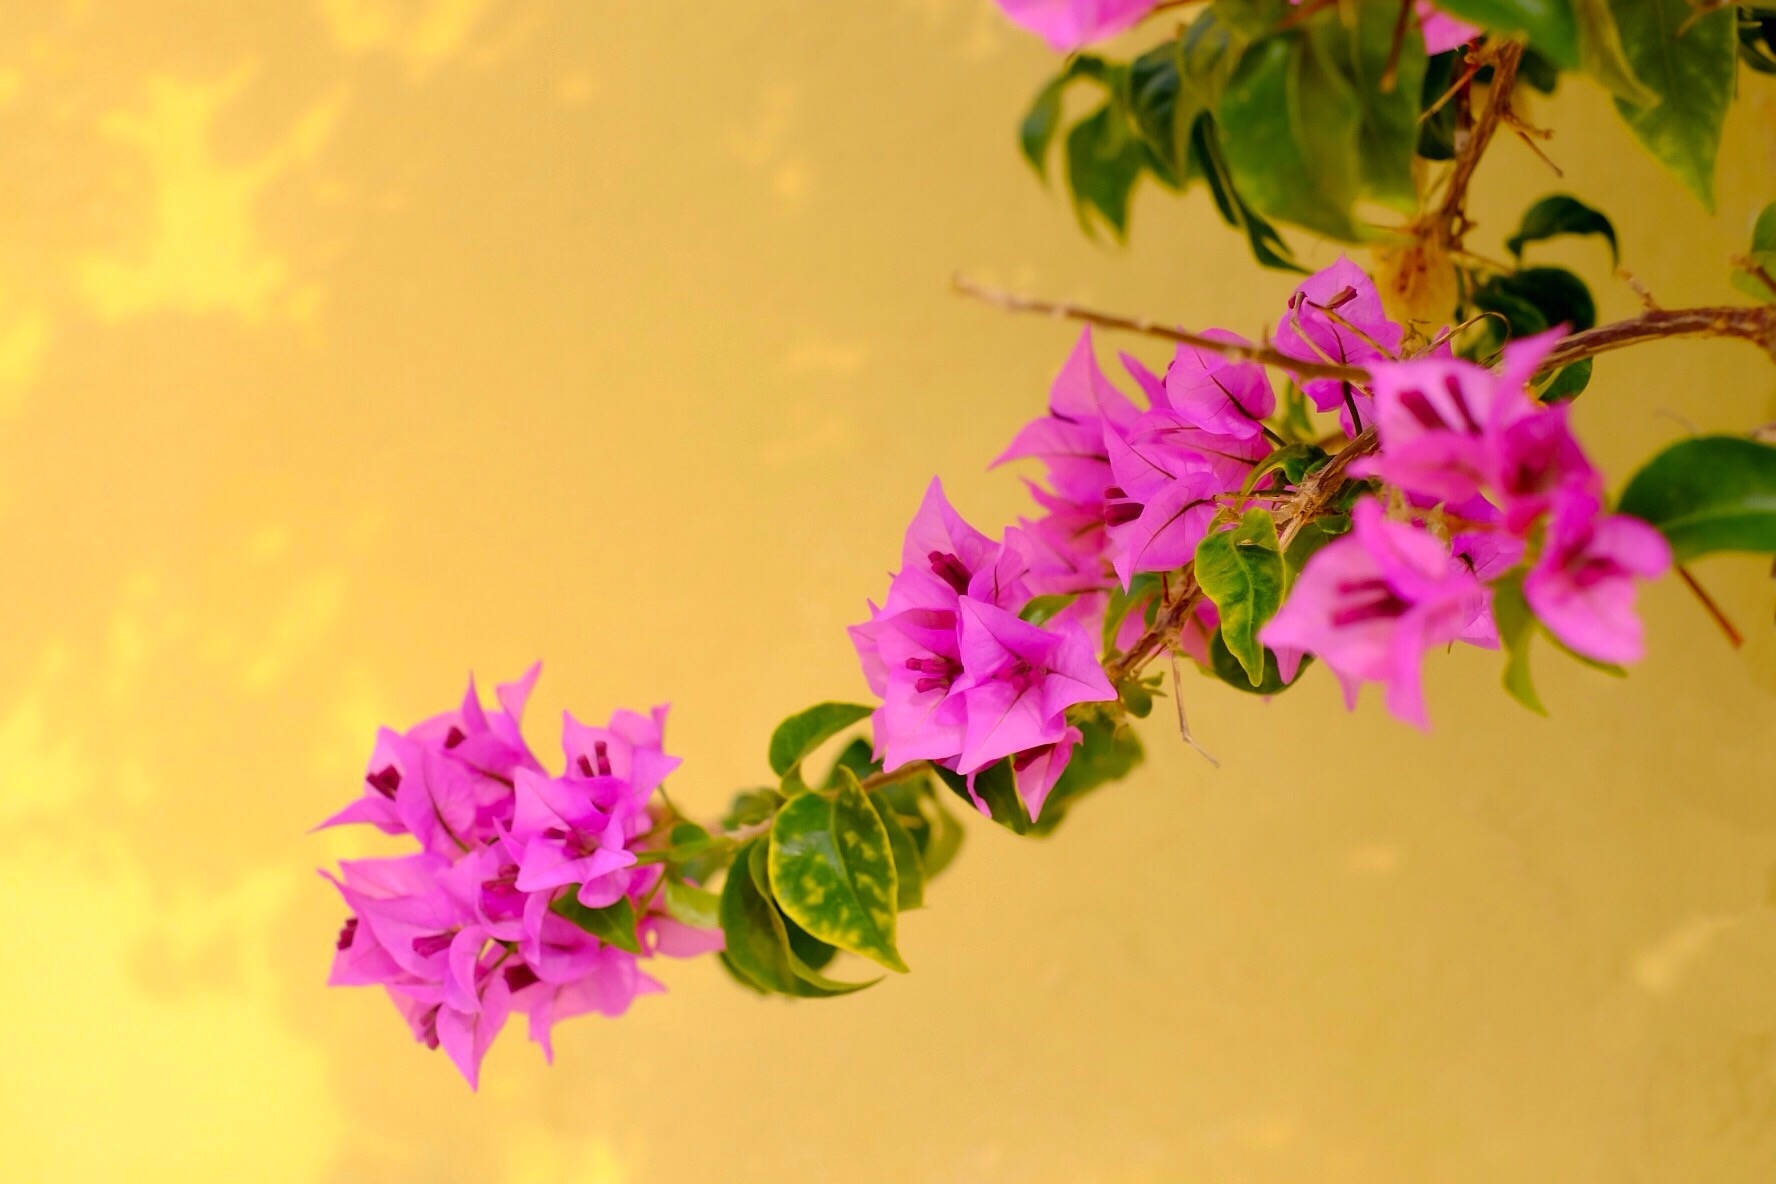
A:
{"points": [[1011, 302], [1451, 214], [1734, 638], [1756, 324]]}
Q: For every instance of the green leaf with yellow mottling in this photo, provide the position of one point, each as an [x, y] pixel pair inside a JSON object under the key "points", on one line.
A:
{"points": [[909, 871], [806, 954], [690, 904], [758, 950], [832, 870]]}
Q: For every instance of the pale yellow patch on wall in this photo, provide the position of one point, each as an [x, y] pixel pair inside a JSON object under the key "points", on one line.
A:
{"points": [[22, 342], [204, 253], [424, 33], [107, 1078]]}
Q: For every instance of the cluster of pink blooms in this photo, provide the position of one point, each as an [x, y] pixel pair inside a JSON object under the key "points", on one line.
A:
{"points": [[1485, 480], [964, 681], [461, 933], [1472, 452], [1072, 24]]}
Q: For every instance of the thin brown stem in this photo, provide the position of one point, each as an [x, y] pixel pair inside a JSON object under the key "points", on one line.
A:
{"points": [[1756, 324], [1012, 302], [878, 780], [1451, 214], [1734, 638]]}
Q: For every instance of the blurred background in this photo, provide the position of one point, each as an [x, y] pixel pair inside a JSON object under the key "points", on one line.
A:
{"points": [[350, 345]]}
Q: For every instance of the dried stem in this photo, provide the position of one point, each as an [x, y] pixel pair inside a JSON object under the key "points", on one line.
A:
{"points": [[1734, 637], [1756, 324], [1452, 218], [1011, 302]]}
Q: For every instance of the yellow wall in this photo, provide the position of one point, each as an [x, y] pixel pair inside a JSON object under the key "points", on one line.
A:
{"points": [[349, 344]]}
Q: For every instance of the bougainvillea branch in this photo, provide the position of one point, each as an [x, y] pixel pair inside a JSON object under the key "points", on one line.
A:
{"points": [[1389, 472]]}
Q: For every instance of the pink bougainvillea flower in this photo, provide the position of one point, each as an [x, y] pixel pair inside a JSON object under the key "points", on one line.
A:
{"points": [[1161, 505], [1084, 407], [1437, 418], [464, 931], [1582, 586], [1066, 546], [1481, 542], [1442, 32], [1335, 315], [575, 830], [1036, 771], [448, 780], [1220, 395], [1538, 460], [920, 719], [1372, 603], [944, 558], [610, 980], [910, 648], [1018, 681], [1069, 24]]}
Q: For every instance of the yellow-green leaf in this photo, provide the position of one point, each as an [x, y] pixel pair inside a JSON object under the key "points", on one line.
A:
{"points": [[832, 871]]}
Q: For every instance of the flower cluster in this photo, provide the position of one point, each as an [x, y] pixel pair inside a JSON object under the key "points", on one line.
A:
{"points": [[964, 680], [1485, 483], [1503, 481], [476, 924]]}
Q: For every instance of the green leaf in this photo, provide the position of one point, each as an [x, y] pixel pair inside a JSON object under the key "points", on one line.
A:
{"points": [[1163, 111], [1037, 131], [691, 904], [1558, 214], [1516, 626], [1436, 132], [1136, 698], [1712, 493], [1250, 18], [1043, 608], [1692, 78], [1600, 51], [614, 925], [1106, 754], [1104, 160], [1308, 541], [1241, 570], [1206, 57], [751, 806], [934, 830], [805, 731], [1268, 247], [945, 841], [1387, 134], [1295, 461], [909, 869], [858, 757], [757, 945], [997, 789], [1142, 592], [1224, 666], [1763, 253], [1292, 128], [1538, 71], [1549, 25], [1535, 299], [759, 951], [808, 955], [832, 870]]}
